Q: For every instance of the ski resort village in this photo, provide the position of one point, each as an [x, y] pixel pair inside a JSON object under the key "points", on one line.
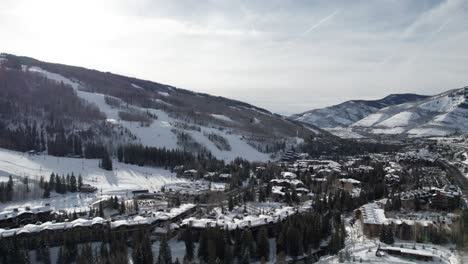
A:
{"points": [[101, 168]]}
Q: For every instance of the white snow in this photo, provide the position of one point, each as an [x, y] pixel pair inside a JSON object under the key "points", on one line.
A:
{"points": [[137, 86], [345, 133], [124, 177], [222, 117], [440, 115], [343, 114], [400, 119], [360, 248], [232, 223], [159, 134], [390, 131]]}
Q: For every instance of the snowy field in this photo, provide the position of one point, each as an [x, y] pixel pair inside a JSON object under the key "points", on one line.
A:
{"points": [[72, 202], [123, 178]]}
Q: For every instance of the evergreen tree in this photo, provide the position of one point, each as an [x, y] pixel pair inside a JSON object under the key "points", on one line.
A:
{"points": [[122, 207], [165, 256], [42, 252], [231, 203], [101, 210], [294, 242], [80, 182], [73, 184], [106, 161], [189, 246], [61, 256], [71, 249], [142, 252], [41, 182], [2, 192], [45, 254], [86, 254], [228, 256], [9, 189], [103, 253], [58, 184], [46, 193], [245, 258], [248, 243], [211, 252], [52, 181], [238, 244], [263, 245], [203, 246]]}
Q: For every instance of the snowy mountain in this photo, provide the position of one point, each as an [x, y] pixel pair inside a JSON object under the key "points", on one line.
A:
{"points": [[439, 115], [58, 104], [347, 113]]}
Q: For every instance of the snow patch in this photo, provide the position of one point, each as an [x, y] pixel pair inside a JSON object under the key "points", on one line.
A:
{"points": [[222, 117], [137, 86]]}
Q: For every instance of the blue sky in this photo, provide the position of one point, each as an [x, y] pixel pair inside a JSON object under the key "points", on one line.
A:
{"points": [[285, 55]]}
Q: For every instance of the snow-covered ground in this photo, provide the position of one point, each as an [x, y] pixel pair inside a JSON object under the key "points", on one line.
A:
{"points": [[70, 202], [159, 134], [222, 117], [440, 115], [343, 114], [344, 133], [123, 178], [358, 247]]}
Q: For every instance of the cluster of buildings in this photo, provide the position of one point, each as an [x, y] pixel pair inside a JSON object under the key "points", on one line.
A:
{"points": [[96, 228], [404, 226], [446, 198], [25, 215], [240, 221]]}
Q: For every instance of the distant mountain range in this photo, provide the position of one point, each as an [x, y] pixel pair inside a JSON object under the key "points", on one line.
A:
{"points": [[400, 114], [439, 115], [349, 112]]}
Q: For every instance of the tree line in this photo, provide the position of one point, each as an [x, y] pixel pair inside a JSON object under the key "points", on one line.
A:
{"points": [[61, 184]]}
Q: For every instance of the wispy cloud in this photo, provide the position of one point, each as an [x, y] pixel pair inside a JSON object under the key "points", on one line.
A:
{"points": [[318, 24]]}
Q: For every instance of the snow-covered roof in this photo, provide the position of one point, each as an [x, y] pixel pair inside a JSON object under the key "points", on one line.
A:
{"points": [[373, 214], [294, 182], [288, 175], [277, 190], [137, 220], [24, 210], [247, 221], [409, 251], [349, 180]]}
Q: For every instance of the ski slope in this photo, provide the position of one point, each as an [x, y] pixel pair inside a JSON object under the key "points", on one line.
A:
{"points": [[123, 178], [159, 134]]}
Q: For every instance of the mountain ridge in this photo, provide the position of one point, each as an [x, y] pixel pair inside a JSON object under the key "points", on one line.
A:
{"points": [[439, 115], [348, 112], [131, 110]]}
